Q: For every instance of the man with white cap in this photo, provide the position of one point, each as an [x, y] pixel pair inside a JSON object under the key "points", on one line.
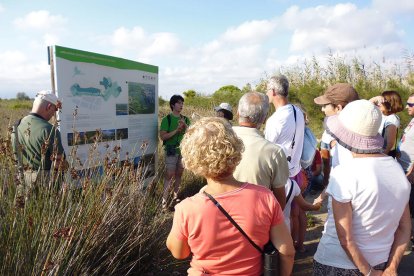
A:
{"points": [[36, 142], [224, 110]]}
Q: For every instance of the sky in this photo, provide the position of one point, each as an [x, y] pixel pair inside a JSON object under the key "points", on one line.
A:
{"points": [[199, 45]]}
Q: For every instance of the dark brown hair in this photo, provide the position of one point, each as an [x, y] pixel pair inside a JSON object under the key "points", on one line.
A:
{"points": [[392, 102]]}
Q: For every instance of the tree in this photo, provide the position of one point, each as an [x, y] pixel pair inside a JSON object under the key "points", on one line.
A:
{"points": [[22, 96], [189, 94], [247, 88], [230, 94]]}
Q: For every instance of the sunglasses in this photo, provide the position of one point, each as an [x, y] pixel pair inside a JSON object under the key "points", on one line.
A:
{"points": [[410, 104]]}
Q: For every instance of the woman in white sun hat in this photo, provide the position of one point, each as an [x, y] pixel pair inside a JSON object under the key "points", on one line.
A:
{"points": [[368, 224]]}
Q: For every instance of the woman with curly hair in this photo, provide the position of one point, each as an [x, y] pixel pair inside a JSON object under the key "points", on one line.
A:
{"points": [[210, 148]]}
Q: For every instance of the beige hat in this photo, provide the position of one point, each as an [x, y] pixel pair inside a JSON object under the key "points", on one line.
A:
{"points": [[47, 95], [340, 93], [356, 127]]}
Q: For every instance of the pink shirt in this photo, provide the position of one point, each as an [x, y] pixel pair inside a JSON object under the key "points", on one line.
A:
{"points": [[218, 247]]}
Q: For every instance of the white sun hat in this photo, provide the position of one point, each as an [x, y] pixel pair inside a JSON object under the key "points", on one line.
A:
{"points": [[356, 127]]}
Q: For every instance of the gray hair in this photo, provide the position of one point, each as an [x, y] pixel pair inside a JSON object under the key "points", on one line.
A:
{"points": [[253, 108], [279, 84]]}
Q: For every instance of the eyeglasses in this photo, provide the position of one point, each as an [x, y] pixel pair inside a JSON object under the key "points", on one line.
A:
{"points": [[410, 104]]}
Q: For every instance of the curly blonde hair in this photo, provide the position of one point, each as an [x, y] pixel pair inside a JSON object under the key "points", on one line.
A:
{"points": [[210, 148]]}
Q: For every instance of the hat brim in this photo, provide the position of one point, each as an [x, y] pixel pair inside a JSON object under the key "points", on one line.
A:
{"points": [[352, 141], [322, 100]]}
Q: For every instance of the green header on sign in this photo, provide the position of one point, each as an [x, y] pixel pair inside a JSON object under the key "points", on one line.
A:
{"points": [[89, 57]]}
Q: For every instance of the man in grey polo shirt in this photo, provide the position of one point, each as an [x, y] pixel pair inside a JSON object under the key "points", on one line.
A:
{"points": [[263, 162]]}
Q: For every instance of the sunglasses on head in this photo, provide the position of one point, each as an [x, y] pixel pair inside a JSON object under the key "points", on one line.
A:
{"points": [[410, 104]]}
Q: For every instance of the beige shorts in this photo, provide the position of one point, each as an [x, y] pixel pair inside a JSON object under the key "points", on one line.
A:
{"points": [[173, 162]]}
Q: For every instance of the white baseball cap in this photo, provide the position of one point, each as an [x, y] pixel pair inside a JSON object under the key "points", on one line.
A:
{"points": [[224, 106], [47, 95]]}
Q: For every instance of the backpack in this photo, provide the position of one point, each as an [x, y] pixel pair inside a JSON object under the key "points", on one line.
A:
{"points": [[309, 145]]}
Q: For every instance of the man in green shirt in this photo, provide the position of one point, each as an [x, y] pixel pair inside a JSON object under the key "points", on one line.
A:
{"points": [[37, 143], [173, 127]]}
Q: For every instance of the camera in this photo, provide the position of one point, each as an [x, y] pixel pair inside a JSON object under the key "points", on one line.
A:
{"points": [[170, 150], [271, 260]]}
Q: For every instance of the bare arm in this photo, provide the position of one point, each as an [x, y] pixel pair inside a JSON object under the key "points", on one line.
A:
{"points": [[390, 133], [178, 248], [326, 161], [343, 223], [410, 175], [164, 135], [282, 240], [401, 239], [280, 195], [306, 206]]}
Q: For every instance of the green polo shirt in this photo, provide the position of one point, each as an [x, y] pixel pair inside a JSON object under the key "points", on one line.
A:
{"points": [[168, 127], [37, 141]]}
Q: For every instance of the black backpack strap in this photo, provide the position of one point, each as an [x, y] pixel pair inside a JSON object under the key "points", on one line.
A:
{"points": [[292, 144], [187, 121], [232, 221]]}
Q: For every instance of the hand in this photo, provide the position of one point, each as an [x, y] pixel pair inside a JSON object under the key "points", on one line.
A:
{"points": [[318, 200], [375, 272], [377, 100], [390, 272]]}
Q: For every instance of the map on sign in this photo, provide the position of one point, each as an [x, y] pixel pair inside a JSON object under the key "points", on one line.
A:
{"points": [[109, 89]]}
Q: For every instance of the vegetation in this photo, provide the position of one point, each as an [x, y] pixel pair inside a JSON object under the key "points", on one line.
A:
{"points": [[22, 96], [109, 223]]}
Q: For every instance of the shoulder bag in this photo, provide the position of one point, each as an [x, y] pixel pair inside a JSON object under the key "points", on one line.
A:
{"points": [[269, 253]]}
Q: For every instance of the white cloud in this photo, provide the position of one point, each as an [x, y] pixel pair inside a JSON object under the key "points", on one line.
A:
{"points": [[1, 8], [250, 32], [19, 73], [342, 27], [396, 6], [136, 43], [40, 20]]}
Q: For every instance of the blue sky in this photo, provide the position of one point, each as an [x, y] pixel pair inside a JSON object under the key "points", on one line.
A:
{"points": [[200, 45]]}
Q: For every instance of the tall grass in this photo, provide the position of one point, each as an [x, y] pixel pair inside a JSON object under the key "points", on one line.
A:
{"points": [[110, 225]]}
